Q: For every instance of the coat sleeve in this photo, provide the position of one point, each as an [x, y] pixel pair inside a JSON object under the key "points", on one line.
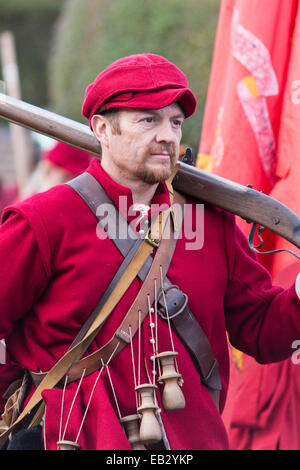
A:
{"points": [[262, 320], [23, 278]]}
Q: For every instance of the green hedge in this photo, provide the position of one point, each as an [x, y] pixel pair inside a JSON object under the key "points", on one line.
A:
{"points": [[93, 33], [15, 7]]}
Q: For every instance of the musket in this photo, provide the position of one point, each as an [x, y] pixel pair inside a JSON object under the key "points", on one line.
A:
{"points": [[251, 205]]}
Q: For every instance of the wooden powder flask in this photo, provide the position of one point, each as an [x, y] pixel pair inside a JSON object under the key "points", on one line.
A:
{"points": [[68, 445], [150, 430], [172, 396], [131, 425]]}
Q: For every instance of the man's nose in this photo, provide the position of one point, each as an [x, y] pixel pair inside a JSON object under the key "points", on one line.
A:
{"points": [[165, 133]]}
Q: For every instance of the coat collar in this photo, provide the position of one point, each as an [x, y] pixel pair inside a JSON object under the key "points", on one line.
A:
{"points": [[115, 190]]}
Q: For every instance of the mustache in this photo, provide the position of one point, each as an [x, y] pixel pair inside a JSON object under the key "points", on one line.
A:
{"points": [[169, 148]]}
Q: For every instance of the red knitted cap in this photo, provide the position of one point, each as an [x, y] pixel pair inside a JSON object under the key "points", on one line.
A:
{"points": [[144, 81]]}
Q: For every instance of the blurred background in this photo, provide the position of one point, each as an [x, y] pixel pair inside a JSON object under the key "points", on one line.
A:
{"points": [[60, 47]]}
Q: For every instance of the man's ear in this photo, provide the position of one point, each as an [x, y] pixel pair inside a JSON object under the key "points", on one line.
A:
{"points": [[100, 127]]}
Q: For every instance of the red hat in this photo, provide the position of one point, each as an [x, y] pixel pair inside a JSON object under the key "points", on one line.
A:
{"points": [[69, 158], [144, 81]]}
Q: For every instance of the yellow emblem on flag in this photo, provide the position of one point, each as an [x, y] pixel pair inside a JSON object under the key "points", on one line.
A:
{"points": [[204, 162], [237, 358], [251, 85]]}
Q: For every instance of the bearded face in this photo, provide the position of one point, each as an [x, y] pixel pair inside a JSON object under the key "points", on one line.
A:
{"points": [[146, 146]]}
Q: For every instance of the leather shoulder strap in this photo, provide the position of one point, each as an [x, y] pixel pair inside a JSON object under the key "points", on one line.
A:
{"points": [[73, 355], [182, 319]]}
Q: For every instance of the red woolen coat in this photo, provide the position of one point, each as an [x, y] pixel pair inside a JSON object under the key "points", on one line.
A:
{"points": [[53, 272]]}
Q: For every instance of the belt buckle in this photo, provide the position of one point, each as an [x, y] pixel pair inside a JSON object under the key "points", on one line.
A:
{"points": [[151, 241], [178, 312]]}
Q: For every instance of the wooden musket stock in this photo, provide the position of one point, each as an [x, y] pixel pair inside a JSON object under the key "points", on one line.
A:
{"points": [[240, 200]]}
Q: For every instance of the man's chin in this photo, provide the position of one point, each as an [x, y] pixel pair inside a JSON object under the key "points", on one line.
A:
{"points": [[156, 173], [154, 177]]}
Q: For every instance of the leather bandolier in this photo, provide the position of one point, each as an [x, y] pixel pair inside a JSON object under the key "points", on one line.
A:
{"points": [[179, 313]]}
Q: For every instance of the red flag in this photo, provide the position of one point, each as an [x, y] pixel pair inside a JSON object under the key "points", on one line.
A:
{"points": [[251, 135], [243, 117]]}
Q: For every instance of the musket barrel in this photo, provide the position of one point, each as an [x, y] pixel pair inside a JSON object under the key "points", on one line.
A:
{"points": [[48, 123], [241, 200]]}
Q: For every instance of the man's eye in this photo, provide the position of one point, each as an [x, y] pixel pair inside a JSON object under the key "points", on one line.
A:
{"points": [[177, 122], [149, 119]]}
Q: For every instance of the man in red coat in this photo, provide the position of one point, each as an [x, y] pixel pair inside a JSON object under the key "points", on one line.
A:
{"points": [[56, 264]]}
